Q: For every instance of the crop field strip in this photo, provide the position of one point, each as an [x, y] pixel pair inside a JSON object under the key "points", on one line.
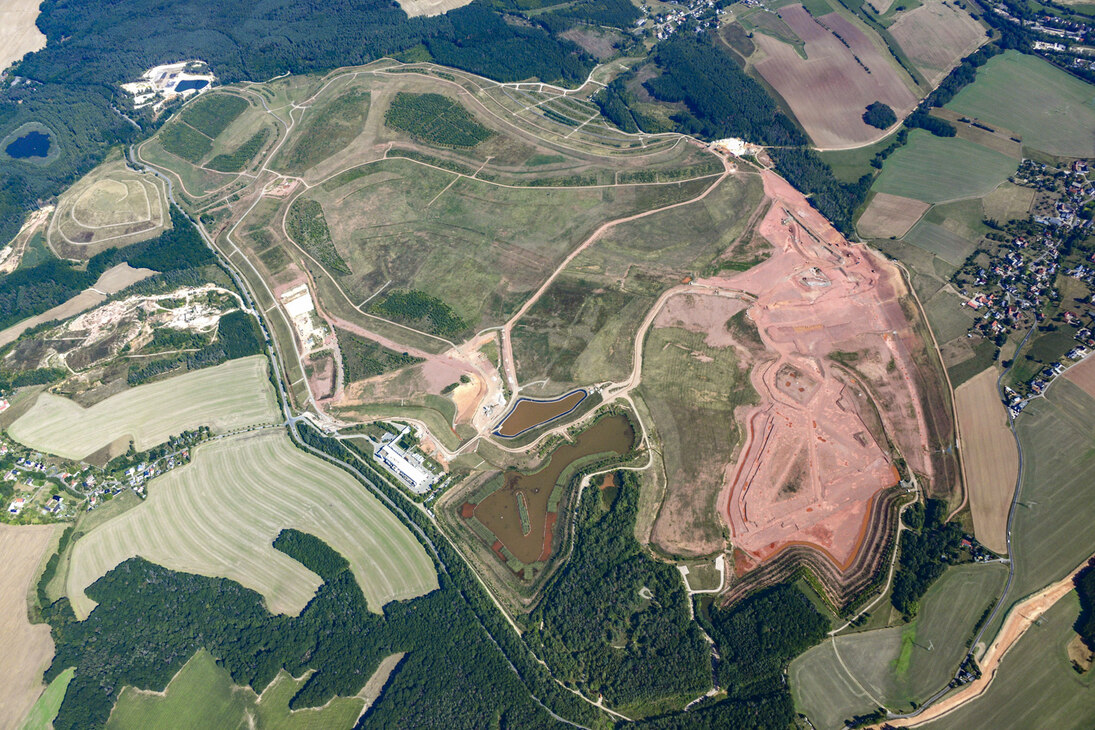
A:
{"points": [[27, 648], [218, 516], [234, 395], [828, 92], [989, 455], [894, 665]]}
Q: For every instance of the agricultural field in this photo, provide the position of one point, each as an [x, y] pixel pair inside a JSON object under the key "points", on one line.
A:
{"points": [[219, 514], [989, 457], [41, 716], [1035, 685], [226, 397], [843, 71], [935, 169], [1052, 111], [111, 206], [898, 665], [28, 648], [935, 35], [1057, 499], [890, 216], [202, 695], [18, 33]]}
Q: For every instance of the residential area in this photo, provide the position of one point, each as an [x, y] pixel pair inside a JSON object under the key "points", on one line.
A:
{"points": [[1037, 276]]}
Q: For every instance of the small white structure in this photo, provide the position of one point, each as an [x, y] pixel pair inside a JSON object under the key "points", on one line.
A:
{"points": [[301, 310], [736, 147], [17, 505]]}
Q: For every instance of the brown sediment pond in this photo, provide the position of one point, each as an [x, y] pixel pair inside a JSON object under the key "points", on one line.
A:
{"points": [[500, 513], [527, 414]]}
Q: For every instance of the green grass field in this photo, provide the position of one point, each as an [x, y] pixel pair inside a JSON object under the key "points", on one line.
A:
{"points": [[226, 397], [45, 709], [692, 391], [1035, 686], [202, 695], [1050, 110], [481, 248], [219, 514], [934, 169], [898, 665], [1050, 535], [581, 331]]}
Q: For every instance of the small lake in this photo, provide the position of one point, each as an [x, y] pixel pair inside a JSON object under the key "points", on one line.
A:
{"points": [[527, 413], [31, 144], [190, 84], [500, 512]]}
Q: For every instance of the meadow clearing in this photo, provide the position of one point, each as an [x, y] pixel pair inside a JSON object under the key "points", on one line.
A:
{"points": [[934, 35], [202, 695], [111, 206], [218, 516], [28, 648], [900, 664], [234, 395], [1051, 111], [935, 169], [989, 457], [830, 88]]}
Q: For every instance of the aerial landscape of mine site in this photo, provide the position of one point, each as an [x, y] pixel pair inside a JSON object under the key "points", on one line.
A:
{"points": [[667, 364]]}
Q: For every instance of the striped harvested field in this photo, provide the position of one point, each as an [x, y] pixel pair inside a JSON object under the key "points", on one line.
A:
{"points": [[935, 35], [219, 514], [234, 395], [28, 648], [990, 457]]}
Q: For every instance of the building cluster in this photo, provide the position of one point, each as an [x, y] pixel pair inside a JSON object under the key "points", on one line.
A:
{"points": [[396, 453], [57, 487], [699, 14], [1014, 284]]}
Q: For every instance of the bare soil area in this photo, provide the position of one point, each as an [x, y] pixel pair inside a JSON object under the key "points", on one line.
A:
{"points": [[27, 648], [890, 216], [814, 456], [18, 33], [1083, 375], [989, 457], [415, 8]]}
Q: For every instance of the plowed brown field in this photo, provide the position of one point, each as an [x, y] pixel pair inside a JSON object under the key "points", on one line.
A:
{"points": [[829, 90]]}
